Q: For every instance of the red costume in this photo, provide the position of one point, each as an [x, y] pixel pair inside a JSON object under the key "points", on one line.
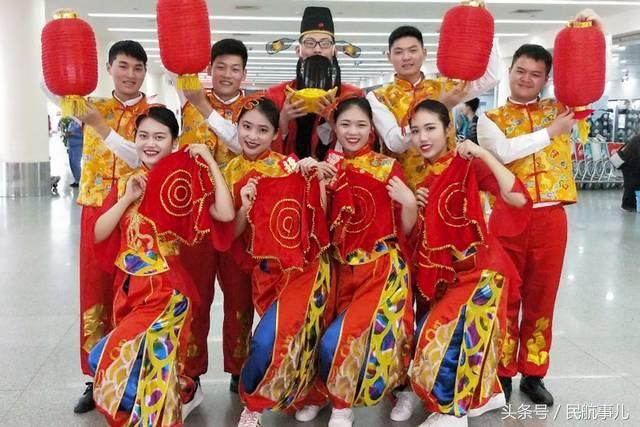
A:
{"points": [[205, 263], [515, 133], [100, 170]]}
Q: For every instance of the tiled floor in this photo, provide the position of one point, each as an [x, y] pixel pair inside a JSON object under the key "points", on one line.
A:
{"points": [[594, 357]]}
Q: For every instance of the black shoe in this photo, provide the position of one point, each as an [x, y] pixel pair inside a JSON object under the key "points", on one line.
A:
{"points": [[535, 389], [74, 185], [85, 403], [505, 382], [234, 384]]}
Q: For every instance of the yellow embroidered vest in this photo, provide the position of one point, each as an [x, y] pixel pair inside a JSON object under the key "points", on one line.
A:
{"points": [[195, 129], [101, 167], [240, 169], [399, 97], [547, 174]]}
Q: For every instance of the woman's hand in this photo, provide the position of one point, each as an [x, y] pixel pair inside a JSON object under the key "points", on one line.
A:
{"points": [[422, 197], [248, 193], [200, 150], [399, 192], [308, 165], [136, 185], [469, 150], [326, 171]]}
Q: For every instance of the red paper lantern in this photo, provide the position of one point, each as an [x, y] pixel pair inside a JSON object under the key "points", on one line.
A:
{"points": [[466, 39], [69, 60], [579, 66], [184, 35]]}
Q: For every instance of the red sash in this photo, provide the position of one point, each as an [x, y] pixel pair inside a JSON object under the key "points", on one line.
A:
{"points": [[179, 193], [362, 214], [452, 221], [287, 221]]}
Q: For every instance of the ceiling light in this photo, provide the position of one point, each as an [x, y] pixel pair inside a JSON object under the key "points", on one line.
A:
{"points": [[295, 59], [258, 43], [537, 2], [295, 33]]}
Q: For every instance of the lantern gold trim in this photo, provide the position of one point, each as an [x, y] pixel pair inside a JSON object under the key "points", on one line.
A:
{"points": [[580, 24], [473, 3], [65, 14]]}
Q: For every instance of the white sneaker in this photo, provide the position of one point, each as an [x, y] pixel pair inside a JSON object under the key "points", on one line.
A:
{"points": [[442, 420], [497, 401], [404, 407], [308, 413], [250, 419], [196, 400], [341, 418]]}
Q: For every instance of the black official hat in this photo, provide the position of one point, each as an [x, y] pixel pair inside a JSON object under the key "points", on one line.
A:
{"points": [[314, 20], [317, 19]]}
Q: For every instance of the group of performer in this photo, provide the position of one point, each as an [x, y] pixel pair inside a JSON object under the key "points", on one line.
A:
{"points": [[403, 288]]}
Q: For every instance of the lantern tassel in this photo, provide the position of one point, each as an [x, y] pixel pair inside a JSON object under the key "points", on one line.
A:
{"points": [[188, 82], [73, 105], [583, 130]]}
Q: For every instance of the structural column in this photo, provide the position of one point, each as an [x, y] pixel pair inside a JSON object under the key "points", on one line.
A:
{"points": [[24, 138]]}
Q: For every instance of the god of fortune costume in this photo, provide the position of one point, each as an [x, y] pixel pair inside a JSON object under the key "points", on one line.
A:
{"points": [[303, 135]]}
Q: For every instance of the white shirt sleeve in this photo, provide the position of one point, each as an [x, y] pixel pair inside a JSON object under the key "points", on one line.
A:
{"points": [[491, 77], [507, 150], [122, 148], [116, 143], [387, 126], [324, 133], [226, 131]]}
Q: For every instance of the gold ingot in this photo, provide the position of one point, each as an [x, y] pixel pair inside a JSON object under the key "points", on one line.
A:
{"points": [[311, 97]]}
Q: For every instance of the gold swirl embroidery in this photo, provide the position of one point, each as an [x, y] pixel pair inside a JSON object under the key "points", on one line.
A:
{"points": [[285, 221], [93, 322], [175, 193], [537, 344]]}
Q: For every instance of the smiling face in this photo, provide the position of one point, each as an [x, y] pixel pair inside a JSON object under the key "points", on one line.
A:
{"points": [[316, 43], [255, 133], [153, 141], [527, 78], [227, 75], [128, 74], [353, 128], [429, 135], [407, 56]]}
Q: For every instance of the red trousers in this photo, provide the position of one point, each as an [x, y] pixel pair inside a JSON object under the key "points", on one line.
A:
{"points": [[235, 284], [538, 255], [96, 291], [203, 263], [200, 261]]}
